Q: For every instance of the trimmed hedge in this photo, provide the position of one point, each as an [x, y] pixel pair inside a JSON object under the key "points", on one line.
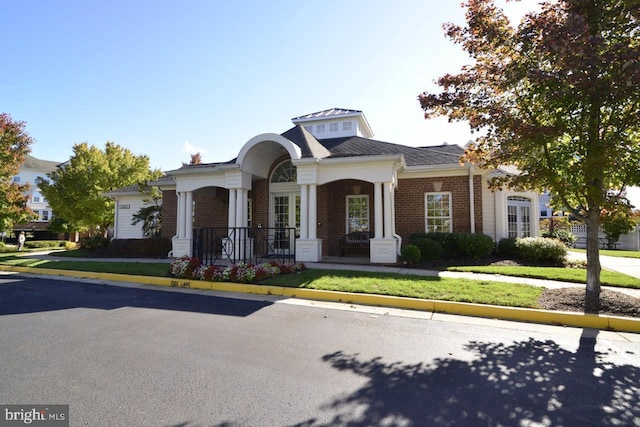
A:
{"points": [[410, 254], [157, 247], [507, 247], [430, 250], [35, 244], [541, 249], [473, 245], [458, 245]]}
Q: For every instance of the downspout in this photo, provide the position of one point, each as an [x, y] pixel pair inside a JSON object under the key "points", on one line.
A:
{"points": [[472, 207], [393, 215]]}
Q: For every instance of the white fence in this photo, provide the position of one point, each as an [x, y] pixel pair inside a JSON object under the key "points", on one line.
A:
{"points": [[628, 242]]}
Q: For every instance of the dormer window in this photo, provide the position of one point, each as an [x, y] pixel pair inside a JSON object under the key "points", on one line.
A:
{"points": [[347, 126], [333, 127], [320, 128]]}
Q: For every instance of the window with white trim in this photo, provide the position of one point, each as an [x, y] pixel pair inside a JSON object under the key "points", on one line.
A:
{"points": [[333, 127], [347, 126], [518, 216], [45, 215], [357, 213], [320, 128], [438, 212]]}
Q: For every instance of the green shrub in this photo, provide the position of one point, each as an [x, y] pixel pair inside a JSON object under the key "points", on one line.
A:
{"points": [[157, 247], [474, 245], [410, 254], [507, 247], [541, 249], [430, 250], [95, 242], [445, 240], [565, 236], [70, 245], [34, 244], [2, 245]]}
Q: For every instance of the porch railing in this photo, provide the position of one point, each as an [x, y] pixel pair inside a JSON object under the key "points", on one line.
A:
{"points": [[250, 245]]}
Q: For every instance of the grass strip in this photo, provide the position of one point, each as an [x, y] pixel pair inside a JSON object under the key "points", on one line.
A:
{"points": [[612, 252], [134, 268], [413, 286], [574, 275]]}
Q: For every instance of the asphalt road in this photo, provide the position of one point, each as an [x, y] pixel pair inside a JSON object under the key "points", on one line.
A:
{"points": [[131, 356]]}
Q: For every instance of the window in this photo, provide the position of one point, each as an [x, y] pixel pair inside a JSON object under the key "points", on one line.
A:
{"points": [[320, 128], [346, 126], [518, 216], [284, 172], [16, 179], [438, 212], [45, 215], [333, 127], [543, 213], [36, 197], [357, 213], [249, 213]]}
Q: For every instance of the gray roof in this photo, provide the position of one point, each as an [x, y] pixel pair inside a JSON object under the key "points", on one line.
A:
{"points": [[46, 166], [356, 146], [332, 112]]}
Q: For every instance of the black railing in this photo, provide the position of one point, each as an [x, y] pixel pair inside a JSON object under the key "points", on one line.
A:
{"points": [[250, 245]]}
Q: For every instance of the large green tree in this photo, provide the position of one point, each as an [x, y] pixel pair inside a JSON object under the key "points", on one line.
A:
{"points": [[15, 144], [77, 187], [557, 96]]}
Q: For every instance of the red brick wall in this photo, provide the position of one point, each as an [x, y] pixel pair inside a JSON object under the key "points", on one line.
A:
{"points": [[332, 210], [169, 212], [331, 202], [259, 196], [210, 210], [409, 203]]}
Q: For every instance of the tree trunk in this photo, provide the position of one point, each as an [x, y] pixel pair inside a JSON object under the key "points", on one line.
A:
{"points": [[592, 295]]}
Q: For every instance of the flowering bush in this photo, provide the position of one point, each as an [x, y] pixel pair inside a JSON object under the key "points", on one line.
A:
{"points": [[191, 268]]}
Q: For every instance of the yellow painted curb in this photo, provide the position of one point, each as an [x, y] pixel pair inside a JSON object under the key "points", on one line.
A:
{"points": [[582, 320]]}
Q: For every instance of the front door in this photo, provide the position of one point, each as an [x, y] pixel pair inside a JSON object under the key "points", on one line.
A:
{"points": [[286, 215]]}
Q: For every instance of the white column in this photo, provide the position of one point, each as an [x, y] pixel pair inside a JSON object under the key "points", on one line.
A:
{"points": [[304, 211], [313, 211], [188, 221], [388, 230], [378, 214], [180, 215], [472, 209], [232, 207], [241, 209]]}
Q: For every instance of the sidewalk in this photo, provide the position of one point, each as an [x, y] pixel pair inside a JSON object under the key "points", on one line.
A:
{"points": [[549, 284], [432, 308]]}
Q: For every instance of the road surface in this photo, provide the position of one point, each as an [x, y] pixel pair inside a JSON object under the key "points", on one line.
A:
{"points": [[135, 356]]}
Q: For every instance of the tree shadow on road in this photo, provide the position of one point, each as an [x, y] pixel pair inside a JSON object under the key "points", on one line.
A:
{"points": [[523, 383], [19, 295]]}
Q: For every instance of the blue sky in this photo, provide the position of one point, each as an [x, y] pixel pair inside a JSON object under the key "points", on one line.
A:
{"points": [[167, 78]]}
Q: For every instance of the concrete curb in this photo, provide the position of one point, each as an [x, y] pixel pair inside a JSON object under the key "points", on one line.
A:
{"points": [[581, 320]]}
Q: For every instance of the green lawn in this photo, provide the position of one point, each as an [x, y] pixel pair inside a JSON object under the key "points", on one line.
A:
{"points": [[134, 268], [405, 285], [612, 252], [608, 278]]}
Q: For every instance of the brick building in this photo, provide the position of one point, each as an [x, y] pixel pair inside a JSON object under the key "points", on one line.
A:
{"points": [[326, 179]]}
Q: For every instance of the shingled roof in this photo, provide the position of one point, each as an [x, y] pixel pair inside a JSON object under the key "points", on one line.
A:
{"points": [[355, 146]]}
